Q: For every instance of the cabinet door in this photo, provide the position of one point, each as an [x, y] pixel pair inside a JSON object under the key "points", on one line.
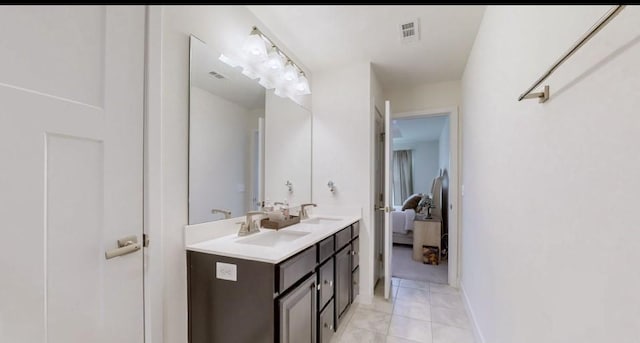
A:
{"points": [[298, 314], [327, 323], [355, 281], [343, 280]]}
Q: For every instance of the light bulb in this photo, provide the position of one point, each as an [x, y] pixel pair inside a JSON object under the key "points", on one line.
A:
{"points": [[302, 86], [254, 47], [290, 73], [274, 61]]}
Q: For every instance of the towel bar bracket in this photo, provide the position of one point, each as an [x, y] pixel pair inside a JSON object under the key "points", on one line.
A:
{"points": [[541, 96]]}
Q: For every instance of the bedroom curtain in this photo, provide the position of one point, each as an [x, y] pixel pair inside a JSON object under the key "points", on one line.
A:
{"points": [[402, 176]]}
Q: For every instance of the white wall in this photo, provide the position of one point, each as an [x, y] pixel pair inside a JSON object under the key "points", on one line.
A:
{"points": [[287, 150], [223, 27], [342, 150], [426, 164], [425, 96], [218, 178], [548, 256]]}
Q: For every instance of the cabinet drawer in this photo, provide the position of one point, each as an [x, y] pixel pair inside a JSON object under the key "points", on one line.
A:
{"points": [[327, 324], [325, 283], [325, 249], [343, 237], [355, 230], [293, 269], [355, 253]]}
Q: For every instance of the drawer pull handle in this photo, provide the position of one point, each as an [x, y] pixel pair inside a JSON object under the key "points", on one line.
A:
{"points": [[330, 327], [319, 286], [330, 283]]}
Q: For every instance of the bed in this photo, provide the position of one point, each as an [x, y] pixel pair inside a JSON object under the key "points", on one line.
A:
{"points": [[402, 225], [402, 221]]}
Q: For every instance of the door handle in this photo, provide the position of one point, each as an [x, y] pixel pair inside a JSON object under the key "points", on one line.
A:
{"points": [[126, 246], [384, 209]]}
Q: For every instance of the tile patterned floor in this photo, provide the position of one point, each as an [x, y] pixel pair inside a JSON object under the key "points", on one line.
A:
{"points": [[418, 311]]}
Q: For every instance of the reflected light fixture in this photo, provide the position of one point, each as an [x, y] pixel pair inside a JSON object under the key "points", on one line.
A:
{"points": [[274, 61], [269, 66], [290, 72], [254, 47]]}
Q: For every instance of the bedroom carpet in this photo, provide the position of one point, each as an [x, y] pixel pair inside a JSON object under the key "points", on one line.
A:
{"points": [[403, 266]]}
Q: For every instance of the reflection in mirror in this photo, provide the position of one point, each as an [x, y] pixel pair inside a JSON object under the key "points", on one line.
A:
{"points": [[226, 112], [245, 143]]}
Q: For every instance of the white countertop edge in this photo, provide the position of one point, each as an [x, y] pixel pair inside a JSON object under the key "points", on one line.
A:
{"points": [[346, 221]]}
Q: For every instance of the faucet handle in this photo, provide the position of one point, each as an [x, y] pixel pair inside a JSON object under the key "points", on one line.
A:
{"points": [[227, 213]]}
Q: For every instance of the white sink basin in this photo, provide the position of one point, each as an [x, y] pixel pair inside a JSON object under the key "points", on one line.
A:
{"points": [[320, 220], [273, 238]]}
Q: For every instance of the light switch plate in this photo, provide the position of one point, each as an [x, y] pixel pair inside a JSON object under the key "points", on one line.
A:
{"points": [[226, 271]]}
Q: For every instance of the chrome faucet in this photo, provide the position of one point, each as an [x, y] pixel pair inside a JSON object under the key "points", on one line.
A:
{"points": [[227, 214], [303, 211], [249, 226]]}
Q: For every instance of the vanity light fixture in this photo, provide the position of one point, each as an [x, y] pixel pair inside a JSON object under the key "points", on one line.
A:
{"points": [[274, 69]]}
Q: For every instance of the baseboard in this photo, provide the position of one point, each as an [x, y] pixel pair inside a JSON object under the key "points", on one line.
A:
{"points": [[474, 324]]}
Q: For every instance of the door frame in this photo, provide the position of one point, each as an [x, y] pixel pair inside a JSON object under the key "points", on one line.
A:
{"points": [[153, 277], [455, 202]]}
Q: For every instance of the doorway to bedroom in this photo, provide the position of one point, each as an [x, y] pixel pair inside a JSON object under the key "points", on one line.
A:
{"points": [[419, 222]]}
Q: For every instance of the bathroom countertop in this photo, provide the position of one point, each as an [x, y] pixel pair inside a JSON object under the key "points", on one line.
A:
{"points": [[229, 245]]}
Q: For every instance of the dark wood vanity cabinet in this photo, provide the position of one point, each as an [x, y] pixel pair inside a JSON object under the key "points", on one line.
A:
{"points": [[299, 300], [298, 313]]}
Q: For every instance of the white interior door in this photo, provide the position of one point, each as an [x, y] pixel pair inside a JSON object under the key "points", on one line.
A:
{"points": [[388, 172], [71, 149]]}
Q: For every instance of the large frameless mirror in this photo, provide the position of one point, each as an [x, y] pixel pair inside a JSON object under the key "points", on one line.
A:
{"points": [[246, 144]]}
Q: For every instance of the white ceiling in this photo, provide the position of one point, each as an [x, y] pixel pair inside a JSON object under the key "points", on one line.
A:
{"points": [[417, 130], [331, 36], [235, 87]]}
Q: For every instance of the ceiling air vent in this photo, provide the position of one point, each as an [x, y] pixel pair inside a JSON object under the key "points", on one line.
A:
{"points": [[410, 31], [216, 75]]}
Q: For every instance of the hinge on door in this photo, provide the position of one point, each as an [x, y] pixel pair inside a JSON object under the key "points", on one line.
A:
{"points": [[382, 136], [145, 240], [381, 197], [380, 257]]}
